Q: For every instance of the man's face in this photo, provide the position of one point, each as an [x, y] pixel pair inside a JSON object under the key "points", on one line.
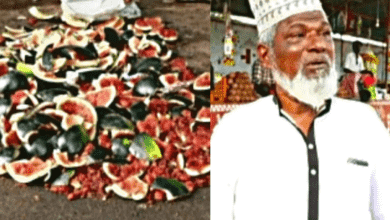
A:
{"points": [[304, 42]]}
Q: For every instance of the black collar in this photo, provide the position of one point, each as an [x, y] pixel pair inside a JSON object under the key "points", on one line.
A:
{"points": [[323, 111]]}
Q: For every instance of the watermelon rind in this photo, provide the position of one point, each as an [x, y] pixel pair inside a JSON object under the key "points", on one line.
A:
{"points": [[69, 164], [202, 115], [133, 180], [172, 188], [107, 171], [61, 100], [103, 101], [26, 179], [197, 84], [194, 173]]}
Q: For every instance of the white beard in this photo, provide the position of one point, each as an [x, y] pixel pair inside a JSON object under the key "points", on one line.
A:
{"points": [[311, 91]]}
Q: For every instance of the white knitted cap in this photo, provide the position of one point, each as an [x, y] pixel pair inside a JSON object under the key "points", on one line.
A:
{"points": [[270, 12]]}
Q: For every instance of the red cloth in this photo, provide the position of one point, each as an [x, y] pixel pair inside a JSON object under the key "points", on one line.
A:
{"points": [[368, 81], [349, 84]]}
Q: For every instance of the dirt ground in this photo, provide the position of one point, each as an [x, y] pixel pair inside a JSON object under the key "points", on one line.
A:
{"points": [[192, 21]]}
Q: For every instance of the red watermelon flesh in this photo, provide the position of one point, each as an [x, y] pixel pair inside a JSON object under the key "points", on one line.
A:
{"points": [[124, 171], [3, 68], [203, 82], [203, 114], [104, 140], [158, 106], [110, 80], [169, 79], [103, 97], [72, 107], [85, 87], [148, 52], [179, 64], [126, 99], [142, 24], [30, 168], [18, 97], [156, 23], [187, 74], [168, 34], [33, 87], [12, 139], [149, 125], [187, 94]]}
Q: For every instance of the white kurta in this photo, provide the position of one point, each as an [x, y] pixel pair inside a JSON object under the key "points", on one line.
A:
{"points": [[260, 164], [350, 62]]}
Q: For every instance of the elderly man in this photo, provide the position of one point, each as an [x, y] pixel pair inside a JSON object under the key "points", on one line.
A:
{"points": [[301, 154]]}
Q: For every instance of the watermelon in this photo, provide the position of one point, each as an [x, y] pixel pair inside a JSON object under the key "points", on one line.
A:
{"points": [[81, 107], [130, 188], [168, 34], [103, 97], [173, 188], [123, 171], [203, 115], [202, 82], [143, 24], [169, 79], [25, 171]]}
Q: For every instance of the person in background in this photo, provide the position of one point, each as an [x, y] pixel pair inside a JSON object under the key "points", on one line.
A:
{"points": [[301, 154], [353, 67]]}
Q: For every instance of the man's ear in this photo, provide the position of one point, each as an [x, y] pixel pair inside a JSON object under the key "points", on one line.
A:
{"points": [[264, 54]]}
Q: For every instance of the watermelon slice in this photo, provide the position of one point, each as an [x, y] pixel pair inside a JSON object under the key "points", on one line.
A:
{"points": [[25, 171], [62, 159], [123, 171], [156, 23], [203, 115], [178, 64], [103, 97], [151, 51], [173, 188], [131, 188], [143, 24], [169, 79], [202, 82], [81, 107], [168, 34]]}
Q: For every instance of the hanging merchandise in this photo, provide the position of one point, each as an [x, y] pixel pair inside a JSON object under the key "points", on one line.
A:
{"points": [[377, 16], [369, 33], [341, 22], [371, 61], [359, 26], [351, 21], [229, 51]]}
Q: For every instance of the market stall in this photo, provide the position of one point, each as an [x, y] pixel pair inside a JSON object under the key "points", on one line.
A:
{"points": [[363, 21]]}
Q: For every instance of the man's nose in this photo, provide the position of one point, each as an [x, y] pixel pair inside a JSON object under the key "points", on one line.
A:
{"points": [[317, 42]]}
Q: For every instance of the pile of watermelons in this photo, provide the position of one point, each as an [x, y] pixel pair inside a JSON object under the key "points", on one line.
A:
{"points": [[91, 109]]}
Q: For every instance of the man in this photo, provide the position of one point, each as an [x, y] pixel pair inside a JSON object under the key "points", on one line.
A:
{"points": [[353, 66], [354, 62], [301, 154]]}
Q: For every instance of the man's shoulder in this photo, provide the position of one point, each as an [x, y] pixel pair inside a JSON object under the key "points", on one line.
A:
{"points": [[351, 107], [250, 112], [257, 108]]}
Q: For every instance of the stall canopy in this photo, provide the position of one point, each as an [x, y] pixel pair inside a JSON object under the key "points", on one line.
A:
{"points": [[367, 9]]}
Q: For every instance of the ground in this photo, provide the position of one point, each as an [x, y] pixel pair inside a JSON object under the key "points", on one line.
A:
{"points": [[192, 20]]}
